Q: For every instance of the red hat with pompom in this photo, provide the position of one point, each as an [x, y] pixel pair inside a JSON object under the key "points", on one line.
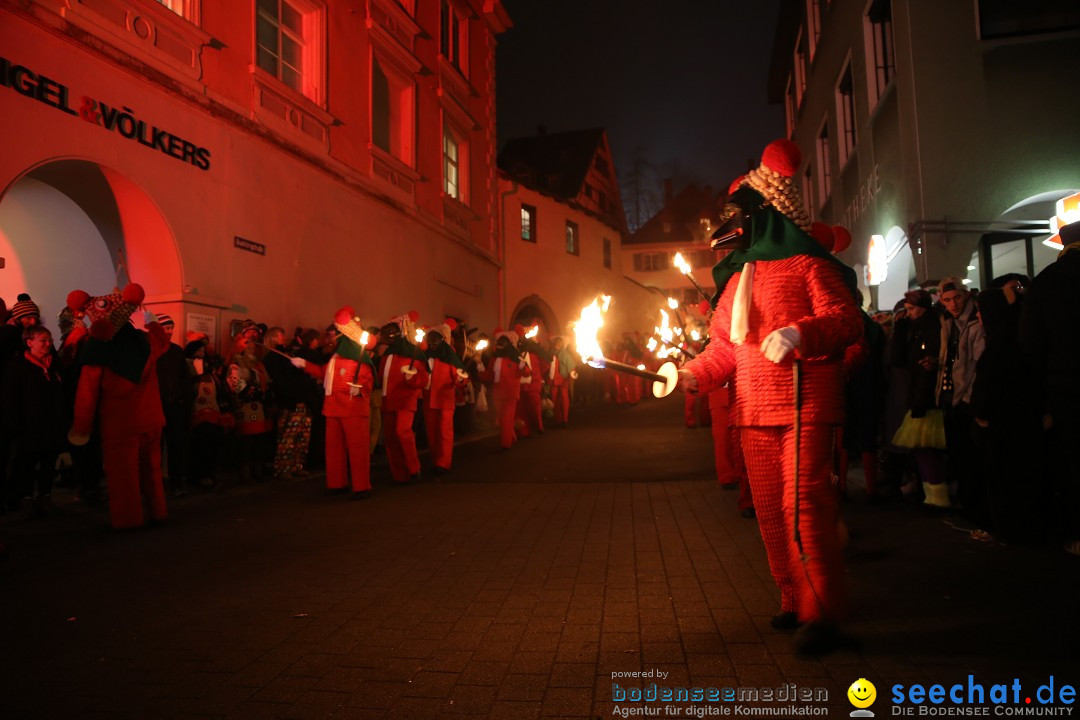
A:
{"points": [[348, 324], [774, 179], [843, 239], [107, 313]]}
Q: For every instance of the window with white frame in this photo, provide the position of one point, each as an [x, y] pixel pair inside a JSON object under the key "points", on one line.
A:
{"points": [[455, 165], [799, 65], [454, 36], [813, 26], [824, 180], [845, 114], [187, 9], [393, 127], [573, 241], [881, 67], [288, 35], [528, 223]]}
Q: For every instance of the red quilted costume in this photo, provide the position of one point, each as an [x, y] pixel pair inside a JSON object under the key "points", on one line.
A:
{"points": [[404, 374], [505, 374], [118, 389], [784, 315], [347, 380], [446, 374], [530, 411]]}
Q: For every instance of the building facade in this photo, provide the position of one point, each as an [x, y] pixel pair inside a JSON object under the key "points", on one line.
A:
{"points": [[271, 159], [940, 133], [562, 232]]}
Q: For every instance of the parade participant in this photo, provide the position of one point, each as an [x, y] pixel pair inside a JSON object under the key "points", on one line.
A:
{"points": [[446, 374], [248, 380], [783, 316], [506, 377], [347, 381], [530, 411], [175, 385], [560, 373], [118, 389], [403, 372], [211, 416]]}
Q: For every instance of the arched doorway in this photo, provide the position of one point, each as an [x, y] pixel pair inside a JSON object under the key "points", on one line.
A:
{"points": [[73, 224], [533, 309]]}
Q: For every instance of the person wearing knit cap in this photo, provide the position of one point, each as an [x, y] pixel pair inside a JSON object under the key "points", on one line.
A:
{"points": [[177, 396], [403, 371], [25, 311], [505, 374], [446, 373], [530, 411], [784, 313], [347, 379]]}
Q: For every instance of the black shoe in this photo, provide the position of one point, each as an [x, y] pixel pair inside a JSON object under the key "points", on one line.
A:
{"points": [[439, 471], [821, 637], [362, 495], [414, 479], [748, 513], [336, 491], [786, 621]]}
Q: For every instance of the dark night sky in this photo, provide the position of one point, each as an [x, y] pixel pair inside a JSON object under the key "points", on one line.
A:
{"points": [[685, 79]]}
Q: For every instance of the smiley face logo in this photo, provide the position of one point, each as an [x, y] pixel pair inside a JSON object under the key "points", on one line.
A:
{"points": [[862, 693]]}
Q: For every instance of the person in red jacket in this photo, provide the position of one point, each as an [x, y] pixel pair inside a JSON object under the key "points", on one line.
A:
{"points": [[118, 389], [446, 374], [530, 411], [403, 372], [348, 379], [784, 313], [506, 377], [561, 372]]}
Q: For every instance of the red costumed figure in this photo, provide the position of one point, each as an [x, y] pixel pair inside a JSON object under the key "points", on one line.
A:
{"points": [[348, 379], [530, 410], [784, 315], [446, 375], [506, 375], [118, 389], [561, 372], [403, 371]]}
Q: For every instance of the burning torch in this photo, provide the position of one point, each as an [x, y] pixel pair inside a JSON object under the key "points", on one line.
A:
{"points": [[588, 347], [685, 269]]}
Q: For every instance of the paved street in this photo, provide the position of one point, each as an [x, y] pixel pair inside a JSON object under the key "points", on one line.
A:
{"points": [[512, 589]]}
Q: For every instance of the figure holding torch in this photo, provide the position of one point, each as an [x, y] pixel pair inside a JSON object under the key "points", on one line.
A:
{"points": [[404, 373], [784, 313]]}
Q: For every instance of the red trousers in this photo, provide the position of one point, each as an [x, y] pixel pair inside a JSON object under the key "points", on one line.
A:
{"points": [[400, 443], [505, 410], [347, 446], [439, 425], [133, 472], [531, 413], [727, 448], [560, 398], [811, 583]]}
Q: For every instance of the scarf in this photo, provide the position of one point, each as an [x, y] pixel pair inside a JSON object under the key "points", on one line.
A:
{"points": [[446, 354], [126, 354]]}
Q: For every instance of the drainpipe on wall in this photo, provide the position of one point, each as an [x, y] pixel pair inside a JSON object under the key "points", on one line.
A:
{"points": [[502, 250]]}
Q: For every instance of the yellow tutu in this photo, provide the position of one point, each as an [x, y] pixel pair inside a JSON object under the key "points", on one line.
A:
{"points": [[925, 432]]}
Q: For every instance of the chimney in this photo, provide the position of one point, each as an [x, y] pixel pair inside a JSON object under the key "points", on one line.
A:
{"points": [[667, 191], [541, 129]]}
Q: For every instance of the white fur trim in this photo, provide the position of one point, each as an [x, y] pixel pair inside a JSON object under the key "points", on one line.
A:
{"points": [[740, 307]]}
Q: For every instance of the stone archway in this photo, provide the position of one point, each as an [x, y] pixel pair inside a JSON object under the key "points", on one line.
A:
{"points": [[72, 223], [534, 309]]}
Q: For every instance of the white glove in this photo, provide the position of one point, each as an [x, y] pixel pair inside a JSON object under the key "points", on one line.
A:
{"points": [[408, 371], [573, 375], [299, 362], [462, 375], [778, 344], [526, 380], [354, 390]]}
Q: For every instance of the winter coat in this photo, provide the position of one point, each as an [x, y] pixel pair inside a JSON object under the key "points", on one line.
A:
{"points": [[34, 411], [972, 342]]}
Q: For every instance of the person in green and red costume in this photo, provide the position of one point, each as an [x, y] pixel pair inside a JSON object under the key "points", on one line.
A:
{"points": [[784, 313], [561, 371], [403, 371], [348, 379], [446, 374], [506, 375]]}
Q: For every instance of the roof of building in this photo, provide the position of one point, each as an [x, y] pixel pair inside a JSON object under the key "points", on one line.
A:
{"points": [[679, 221], [554, 163]]}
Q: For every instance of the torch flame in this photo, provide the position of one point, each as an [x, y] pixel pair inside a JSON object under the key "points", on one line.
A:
{"points": [[673, 303], [640, 367], [664, 331], [682, 265], [481, 345], [651, 345], [534, 332], [586, 327], [695, 335], [419, 335], [364, 337]]}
